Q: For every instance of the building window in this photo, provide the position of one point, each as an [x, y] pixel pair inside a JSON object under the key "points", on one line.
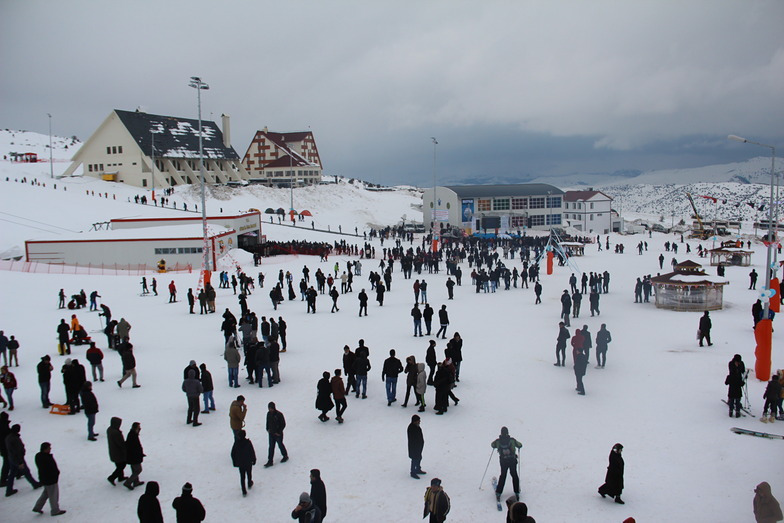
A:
{"points": [[518, 221], [537, 220], [108, 150], [592, 217], [114, 149], [90, 168], [519, 203], [553, 202], [553, 219], [165, 250], [537, 203], [591, 205], [599, 215], [119, 149], [144, 182], [483, 204], [501, 204], [100, 167]]}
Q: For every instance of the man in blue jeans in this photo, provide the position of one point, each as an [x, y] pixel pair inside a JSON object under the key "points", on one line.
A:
{"points": [[392, 367]]}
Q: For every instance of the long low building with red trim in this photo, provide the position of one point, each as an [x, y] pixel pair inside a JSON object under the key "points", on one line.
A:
{"points": [[135, 243]]}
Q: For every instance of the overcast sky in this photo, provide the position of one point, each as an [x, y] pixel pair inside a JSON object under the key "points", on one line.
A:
{"points": [[510, 89]]}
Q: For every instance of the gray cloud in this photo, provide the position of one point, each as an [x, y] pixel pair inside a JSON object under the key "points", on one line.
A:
{"points": [[523, 87]]}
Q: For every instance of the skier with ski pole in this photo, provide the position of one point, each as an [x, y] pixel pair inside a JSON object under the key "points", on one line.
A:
{"points": [[507, 453]]}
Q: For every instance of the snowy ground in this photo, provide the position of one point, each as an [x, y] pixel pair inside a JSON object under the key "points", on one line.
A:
{"points": [[659, 394]]}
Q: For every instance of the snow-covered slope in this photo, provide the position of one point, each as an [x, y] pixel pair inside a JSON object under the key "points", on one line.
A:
{"points": [[659, 394]]}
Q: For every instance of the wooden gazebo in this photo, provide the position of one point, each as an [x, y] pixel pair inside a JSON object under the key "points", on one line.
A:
{"points": [[688, 288], [730, 253]]}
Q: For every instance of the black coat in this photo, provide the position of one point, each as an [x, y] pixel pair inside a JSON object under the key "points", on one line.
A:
{"points": [[613, 481], [114, 437], [275, 422], [89, 402], [188, 508], [416, 441], [324, 395], [149, 508], [48, 473], [318, 495], [206, 381], [243, 454], [133, 448]]}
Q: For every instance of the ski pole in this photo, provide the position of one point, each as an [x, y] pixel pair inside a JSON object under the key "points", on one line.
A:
{"points": [[486, 467]]}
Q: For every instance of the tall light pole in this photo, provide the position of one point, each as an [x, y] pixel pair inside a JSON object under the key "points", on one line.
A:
{"points": [[197, 84], [152, 156], [51, 165], [771, 239], [435, 200]]}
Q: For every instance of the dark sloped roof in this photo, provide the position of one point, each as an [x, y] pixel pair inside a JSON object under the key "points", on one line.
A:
{"points": [[518, 189], [575, 196], [286, 161], [176, 137]]}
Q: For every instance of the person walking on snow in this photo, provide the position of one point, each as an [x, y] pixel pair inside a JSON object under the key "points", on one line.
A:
{"points": [[507, 448], [560, 345], [437, 503], [243, 456], [704, 329], [416, 442], [603, 338], [443, 319], [389, 373], [275, 425], [48, 474], [613, 481]]}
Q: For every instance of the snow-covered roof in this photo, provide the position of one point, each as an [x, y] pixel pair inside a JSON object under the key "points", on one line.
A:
{"points": [[172, 232], [176, 137]]}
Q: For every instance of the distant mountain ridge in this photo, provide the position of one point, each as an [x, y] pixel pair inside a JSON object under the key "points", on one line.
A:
{"points": [[755, 170]]}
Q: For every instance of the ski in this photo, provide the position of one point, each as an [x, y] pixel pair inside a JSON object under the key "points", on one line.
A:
{"points": [[497, 496], [759, 434], [743, 409]]}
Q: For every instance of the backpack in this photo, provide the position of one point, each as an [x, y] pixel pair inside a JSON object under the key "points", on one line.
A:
{"points": [[506, 450]]}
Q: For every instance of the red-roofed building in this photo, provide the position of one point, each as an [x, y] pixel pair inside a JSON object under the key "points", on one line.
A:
{"points": [[280, 159], [588, 211]]}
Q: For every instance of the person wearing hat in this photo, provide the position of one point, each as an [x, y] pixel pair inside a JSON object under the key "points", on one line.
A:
{"points": [[188, 508], [306, 511], [436, 502], [613, 481], [318, 492], [507, 454]]}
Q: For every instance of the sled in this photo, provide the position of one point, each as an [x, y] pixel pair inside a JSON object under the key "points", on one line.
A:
{"points": [[60, 409], [80, 341]]}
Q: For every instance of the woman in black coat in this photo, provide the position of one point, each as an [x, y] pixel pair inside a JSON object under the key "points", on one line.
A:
{"points": [[324, 396], [613, 481], [149, 508]]}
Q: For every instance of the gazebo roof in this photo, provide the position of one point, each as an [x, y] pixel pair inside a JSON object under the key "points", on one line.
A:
{"points": [[694, 278]]}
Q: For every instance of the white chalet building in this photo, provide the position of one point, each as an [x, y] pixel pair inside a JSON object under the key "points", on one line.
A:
{"points": [[123, 147], [588, 211]]}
